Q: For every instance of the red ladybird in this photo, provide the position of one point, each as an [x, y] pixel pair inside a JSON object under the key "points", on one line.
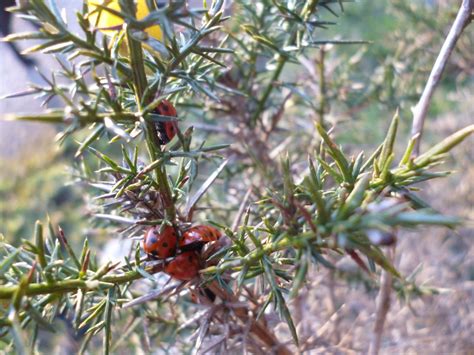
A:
{"points": [[184, 266], [166, 130], [202, 295], [195, 237], [160, 245]]}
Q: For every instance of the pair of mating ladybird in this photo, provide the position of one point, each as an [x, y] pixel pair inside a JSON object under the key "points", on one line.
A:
{"points": [[166, 130], [186, 251]]}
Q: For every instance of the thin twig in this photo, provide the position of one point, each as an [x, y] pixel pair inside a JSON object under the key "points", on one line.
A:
{"points": [[257, 327], [153, 295], [322, 86], [242, 209], [383, 306], [191, 203], [421, 109]]}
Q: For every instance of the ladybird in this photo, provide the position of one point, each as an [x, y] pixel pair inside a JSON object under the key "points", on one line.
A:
{"points": [[160, 245], [201, 295], [195, 237], [166, 130], [184, 267]]}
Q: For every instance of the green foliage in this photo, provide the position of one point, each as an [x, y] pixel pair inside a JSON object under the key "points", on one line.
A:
{"points": [[318, 201]]}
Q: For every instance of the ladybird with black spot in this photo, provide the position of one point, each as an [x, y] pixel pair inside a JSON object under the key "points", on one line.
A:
{"points": [[166, 130], [184, 266], [195, 237], [160, 245]]}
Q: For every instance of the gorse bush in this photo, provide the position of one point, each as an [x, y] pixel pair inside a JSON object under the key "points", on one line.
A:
{"points": [[259, 163]]}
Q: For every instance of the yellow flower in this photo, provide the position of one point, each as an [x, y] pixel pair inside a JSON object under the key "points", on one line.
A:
{"points": [[103, 19]]}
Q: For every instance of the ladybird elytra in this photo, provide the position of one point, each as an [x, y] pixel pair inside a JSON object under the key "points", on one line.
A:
{"points": [[184, 266], [166, 130], [162, 244], [195, 237]]}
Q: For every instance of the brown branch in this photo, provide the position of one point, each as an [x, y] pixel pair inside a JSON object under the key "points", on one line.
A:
{"points": [[383, 306], [420, 111], [257, 327]]}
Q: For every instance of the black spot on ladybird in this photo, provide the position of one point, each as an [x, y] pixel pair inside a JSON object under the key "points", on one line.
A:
{"points": [[165, 245]]}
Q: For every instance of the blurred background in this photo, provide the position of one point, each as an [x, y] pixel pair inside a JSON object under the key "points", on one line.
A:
{"points": [[33, 169], [367, 84]]}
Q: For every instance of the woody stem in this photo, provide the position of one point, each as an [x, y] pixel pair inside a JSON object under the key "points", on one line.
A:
{"points": [[154, 150]]}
